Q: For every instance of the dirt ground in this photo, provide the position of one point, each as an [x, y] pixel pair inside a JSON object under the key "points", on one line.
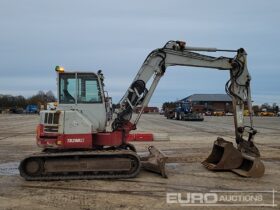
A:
{"points": [[148, 190]]}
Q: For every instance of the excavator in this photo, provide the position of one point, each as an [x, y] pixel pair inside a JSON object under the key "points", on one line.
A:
{"points": [[85, 138]]}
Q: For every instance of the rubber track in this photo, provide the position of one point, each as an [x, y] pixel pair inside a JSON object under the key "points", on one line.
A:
{"points": [[112, 175]]}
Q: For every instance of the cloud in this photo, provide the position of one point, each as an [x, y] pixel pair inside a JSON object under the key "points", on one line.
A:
{"points": [[116, 36]]}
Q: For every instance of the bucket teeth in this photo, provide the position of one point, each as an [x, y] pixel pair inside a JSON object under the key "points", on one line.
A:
{"points": [[209, 166]]}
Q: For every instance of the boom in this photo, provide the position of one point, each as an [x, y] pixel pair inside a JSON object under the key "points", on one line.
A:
{"points": [[175, 53]]}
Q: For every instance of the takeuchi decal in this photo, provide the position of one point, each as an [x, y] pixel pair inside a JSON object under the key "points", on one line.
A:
{"points": [[76, 140]]}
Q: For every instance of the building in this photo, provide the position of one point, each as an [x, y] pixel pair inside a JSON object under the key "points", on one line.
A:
{"points": [[210, 102]]}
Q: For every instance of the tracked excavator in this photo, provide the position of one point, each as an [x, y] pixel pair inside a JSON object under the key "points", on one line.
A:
{"points": [[84, 138]]}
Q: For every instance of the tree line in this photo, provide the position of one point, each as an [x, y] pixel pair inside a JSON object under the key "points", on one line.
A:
{"points": [[41, 98]]}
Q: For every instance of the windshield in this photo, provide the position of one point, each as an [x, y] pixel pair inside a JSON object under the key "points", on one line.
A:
{"points": [[79, 87]]}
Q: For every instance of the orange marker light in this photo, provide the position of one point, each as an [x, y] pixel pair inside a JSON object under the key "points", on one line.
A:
{"points": [[59, 69]]}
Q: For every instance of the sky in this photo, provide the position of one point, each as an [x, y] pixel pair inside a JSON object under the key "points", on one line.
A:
{"points": [[116, 36]]}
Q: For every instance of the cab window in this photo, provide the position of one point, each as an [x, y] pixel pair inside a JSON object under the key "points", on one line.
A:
{"points": [[67, 88], [79, 87], [88, 89]]}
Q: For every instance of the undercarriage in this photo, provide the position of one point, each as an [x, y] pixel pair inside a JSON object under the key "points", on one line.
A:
{"points": [[97, 164]]}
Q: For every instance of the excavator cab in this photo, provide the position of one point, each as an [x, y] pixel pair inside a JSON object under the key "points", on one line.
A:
{"points": [[82, 91]]}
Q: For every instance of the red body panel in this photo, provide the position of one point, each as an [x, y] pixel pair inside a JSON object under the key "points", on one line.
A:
{"points": [[86, 141], [75, 141], [63, 141], [108, 138], [140, 137], [45, 140]]}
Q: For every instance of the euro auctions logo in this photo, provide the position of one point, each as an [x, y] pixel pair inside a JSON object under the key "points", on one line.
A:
{"points": [[192, 198], [223, 198]]}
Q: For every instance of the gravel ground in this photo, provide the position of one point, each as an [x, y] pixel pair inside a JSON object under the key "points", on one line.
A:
{"points": [[192, 140]]}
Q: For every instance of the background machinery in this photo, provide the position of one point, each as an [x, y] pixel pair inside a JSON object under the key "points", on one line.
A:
{"points": [[184, 111], [85, 139]]}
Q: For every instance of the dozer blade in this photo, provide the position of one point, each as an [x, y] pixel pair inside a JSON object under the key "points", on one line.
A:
{"points": [[224, 156], [155, 162], [250, 167]]}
